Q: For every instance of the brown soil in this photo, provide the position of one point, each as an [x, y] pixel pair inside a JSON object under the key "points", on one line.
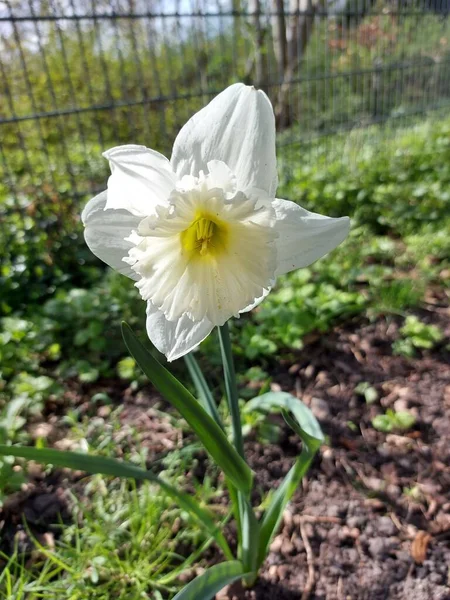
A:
{"points": [[372, 520]]}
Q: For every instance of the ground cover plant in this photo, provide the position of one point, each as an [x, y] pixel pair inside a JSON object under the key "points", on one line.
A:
{"points": [[399, 270]]}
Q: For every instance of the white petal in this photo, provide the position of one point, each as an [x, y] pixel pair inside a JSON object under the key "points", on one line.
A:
{"points": [[175, 338], [221, 176], [187, 182], [105, 233], [215, 286], [237, 128], [140, 179], [257, 301], [304, 236]]}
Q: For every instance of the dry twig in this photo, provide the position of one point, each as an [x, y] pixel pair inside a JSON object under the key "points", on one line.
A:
{"points": [[310, 583], [320, 519]]}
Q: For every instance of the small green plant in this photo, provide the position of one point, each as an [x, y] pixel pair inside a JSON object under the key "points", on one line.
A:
{"points": [[414, 493], [306, 301], [366, 390], [394, 421], [398, 295], [35, 390], [416, 335], [11, 430], [127, 368]]}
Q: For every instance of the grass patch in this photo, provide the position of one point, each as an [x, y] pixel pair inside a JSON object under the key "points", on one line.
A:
{"points": [[126, 542]]}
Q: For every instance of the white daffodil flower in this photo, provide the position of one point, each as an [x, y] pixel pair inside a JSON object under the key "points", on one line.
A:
{"points": [[203, 234]]}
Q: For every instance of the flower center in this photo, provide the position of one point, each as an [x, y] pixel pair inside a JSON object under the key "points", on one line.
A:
{"points": [[206, 236], [208, 254]]}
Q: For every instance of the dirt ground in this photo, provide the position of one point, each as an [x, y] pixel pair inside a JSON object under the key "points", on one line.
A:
{"points": [[372, 520]]}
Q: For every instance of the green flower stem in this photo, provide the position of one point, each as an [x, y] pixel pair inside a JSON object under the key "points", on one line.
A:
{"points": [[231, 387], [248, 527]]}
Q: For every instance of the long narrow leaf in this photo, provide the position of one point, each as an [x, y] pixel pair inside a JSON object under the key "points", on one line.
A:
{"points": [[250, 532], [211, 581], [304, 423], [110, 466], [204, 393], [207, 430], [231, 386], [272, 516]]}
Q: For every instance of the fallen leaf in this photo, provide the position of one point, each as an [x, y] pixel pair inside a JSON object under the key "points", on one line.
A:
{"points": [[419, 546]]}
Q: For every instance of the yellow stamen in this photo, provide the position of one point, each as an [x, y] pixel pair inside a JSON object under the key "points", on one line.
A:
{"points": [[206, 236]]}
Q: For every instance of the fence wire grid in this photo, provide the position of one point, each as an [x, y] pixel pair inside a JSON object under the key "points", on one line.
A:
{"points": [[80, 76]]}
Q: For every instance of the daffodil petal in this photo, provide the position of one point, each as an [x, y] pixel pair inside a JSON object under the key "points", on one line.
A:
{"points": [[140, 179], [105, 233], [238, 128], [303, 236], [221, 176], [215, 278], [175, 338], [257, 301]]}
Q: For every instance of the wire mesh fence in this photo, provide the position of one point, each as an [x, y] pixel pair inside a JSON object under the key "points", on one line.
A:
{"points": [[79, 76]]}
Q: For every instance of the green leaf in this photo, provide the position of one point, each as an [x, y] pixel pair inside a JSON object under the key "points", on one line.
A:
{"points": [[110, 466], [401, 421], [207, 430], [212, 581], [249, 534], [231, 386], [369, 392], [272, 516], [383, 423], [303, 422], [204, 393], [404, 420]]}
